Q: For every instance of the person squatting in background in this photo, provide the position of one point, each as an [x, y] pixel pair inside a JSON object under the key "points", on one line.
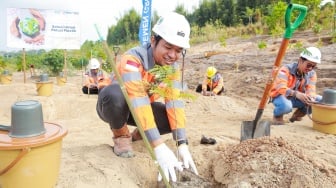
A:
{"points": [[94, 78], [295, 87], [212, 84], [171, 37]]}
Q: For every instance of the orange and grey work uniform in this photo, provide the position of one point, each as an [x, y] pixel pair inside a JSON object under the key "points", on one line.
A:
{"points": [[214, 84], [155, 117], [94, 81], [288, 81]]}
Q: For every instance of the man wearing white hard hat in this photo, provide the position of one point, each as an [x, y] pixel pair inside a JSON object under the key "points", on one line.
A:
{"points": [[171, 37], [92, 78], [295, 87]]}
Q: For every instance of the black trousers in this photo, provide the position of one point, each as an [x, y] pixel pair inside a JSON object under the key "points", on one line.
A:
{"points": [[91, 90], [113, 109], [199, 89]]}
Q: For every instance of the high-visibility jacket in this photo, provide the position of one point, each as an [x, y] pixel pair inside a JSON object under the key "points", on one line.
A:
{"points": [[134, 69], [288, 80], [215, 84]]}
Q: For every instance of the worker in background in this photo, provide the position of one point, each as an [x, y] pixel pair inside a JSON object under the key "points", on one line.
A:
{"points": [[32, 70], [295, 87], [213, 83], [170, 38], [94, 78]]}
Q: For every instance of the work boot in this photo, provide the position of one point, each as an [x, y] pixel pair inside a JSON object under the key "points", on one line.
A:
{"points": [[136, 135], [278, 120], [123, 147], [122, 142], [297, 116]]}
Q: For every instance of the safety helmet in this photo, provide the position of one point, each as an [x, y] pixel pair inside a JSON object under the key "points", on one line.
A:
{"points": [[312, 54], [174, 28], [94, 63], [211, 71]]}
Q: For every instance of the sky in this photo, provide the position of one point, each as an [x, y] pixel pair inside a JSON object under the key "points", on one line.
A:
{"points": [[103, 13]]}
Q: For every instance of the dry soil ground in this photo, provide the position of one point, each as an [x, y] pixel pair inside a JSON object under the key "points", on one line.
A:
{"points": [[296, 155]]}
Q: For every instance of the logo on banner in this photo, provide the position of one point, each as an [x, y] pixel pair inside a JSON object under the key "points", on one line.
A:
{"points": [[145, 25]]}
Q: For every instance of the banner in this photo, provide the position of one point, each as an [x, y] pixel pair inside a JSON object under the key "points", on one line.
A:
{"points": [[145, 25], [43, 29]]}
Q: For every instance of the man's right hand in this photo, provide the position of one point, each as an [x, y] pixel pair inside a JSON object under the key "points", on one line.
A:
{"points": [[167, 161], [303, 97], [208, 93]]}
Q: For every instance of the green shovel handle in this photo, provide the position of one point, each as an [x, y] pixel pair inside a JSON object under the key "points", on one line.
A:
{"points": [[291, 27]]}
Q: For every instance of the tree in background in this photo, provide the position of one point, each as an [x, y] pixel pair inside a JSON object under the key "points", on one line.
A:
{"points": [[53, 62], [126, 29]]}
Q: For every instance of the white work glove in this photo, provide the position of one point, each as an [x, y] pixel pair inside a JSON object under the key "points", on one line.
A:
{"points": [[167, 161], [184, 153]]}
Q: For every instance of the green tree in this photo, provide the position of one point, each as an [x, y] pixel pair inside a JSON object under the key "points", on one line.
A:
{"points": [[275, 25], [126, 29], [249, 14], [313, 12], [54, 62]]}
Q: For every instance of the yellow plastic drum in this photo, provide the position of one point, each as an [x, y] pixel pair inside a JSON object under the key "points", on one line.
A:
{"points": [[33, 161], [5, 79], [61, 81], [324, 118], [44, 88]]}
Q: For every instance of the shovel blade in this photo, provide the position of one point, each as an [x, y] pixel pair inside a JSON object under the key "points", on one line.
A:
{"points": [[262, 129]]}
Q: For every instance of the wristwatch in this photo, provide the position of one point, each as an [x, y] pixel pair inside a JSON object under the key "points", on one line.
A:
{"points": [[179, 142]]}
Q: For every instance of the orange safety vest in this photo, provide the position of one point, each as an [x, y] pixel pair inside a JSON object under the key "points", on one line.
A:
{"points": [[100, 80], [288, 80], [134, 69], [215, 84]]}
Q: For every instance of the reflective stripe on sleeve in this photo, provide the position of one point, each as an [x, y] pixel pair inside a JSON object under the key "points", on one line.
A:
{"points": [[179, 134], [138, 102], [280, 86], [174, 104], [283, 76], [310, 82], [131, 76], [177, 85], [288, 92], [152, 134]]}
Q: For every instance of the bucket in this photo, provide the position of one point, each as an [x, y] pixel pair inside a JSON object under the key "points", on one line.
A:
{"points": [[31, 162], [5, 72], [27, 119], [324, 118], [44, 77], [5, 78], [329, 97], [61, 80], [44, 88]]}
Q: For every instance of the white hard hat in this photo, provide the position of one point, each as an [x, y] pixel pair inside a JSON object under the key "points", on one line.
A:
{"points": [[174, 28], [94, 63], [312, 54]]}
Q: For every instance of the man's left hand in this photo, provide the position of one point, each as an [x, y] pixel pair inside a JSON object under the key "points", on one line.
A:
{"points": [[187, 160]]}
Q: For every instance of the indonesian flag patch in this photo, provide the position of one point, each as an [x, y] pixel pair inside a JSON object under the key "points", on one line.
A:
{"points": [[132, 66], [282, 72]]}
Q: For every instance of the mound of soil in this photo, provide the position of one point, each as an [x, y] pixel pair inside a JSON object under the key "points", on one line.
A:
{"points": [[269, 162]]}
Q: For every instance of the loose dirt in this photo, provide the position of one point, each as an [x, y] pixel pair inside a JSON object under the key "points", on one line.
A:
{"points": [[296, 155]]}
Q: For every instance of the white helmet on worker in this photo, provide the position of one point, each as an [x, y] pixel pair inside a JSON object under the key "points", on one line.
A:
{"points": [[174, 28], [94, 63], [211, 71], [312, 54]]}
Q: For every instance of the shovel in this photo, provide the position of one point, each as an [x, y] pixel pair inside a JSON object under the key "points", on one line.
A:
{"points": [[254, 129]]}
